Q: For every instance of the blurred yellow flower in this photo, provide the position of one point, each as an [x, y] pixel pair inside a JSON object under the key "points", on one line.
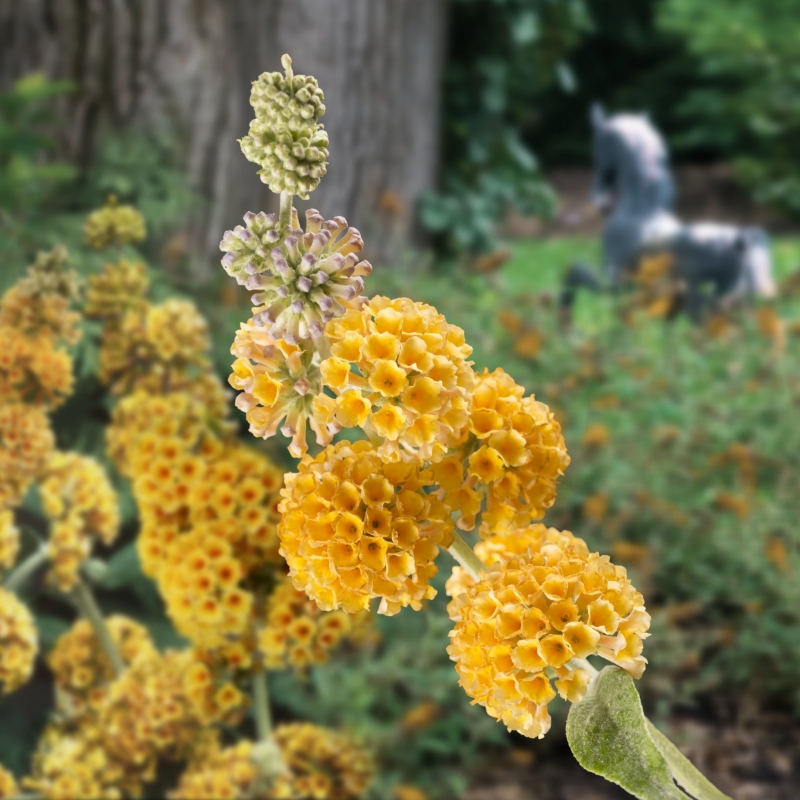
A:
{"points": [[18, 642]]}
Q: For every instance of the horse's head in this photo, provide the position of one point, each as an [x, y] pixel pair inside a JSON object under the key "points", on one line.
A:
{"points": [[629, 159]]}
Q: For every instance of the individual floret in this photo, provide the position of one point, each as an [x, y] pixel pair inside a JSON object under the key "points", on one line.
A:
{"points": [[512, 458], [354, 527], [18, 642], [302, 280], [114, 224], [399, 370], [544, 603], [81, 504]]}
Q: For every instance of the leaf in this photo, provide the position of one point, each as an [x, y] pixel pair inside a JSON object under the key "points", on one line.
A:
{"points": [[610, 736], [684, 772], [122, 569]]}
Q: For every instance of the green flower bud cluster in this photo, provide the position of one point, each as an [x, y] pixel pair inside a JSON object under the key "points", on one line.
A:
{"points": [[285, 138], [50, 275], [302, 279], [114, 224]]}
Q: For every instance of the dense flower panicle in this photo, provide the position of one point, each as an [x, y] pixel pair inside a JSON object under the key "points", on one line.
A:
{"points": [[26, 443], [147, 714], [298, 634], [18, 642], [354, 527], [117, 289], [114, 224], [210, 682], [33, 369], [302, 280], [8, 785], [285, 138], [70, 761], [400, 371], [159, 349], [39, 304], [193, 497], [513, 456], [321, 765], [188, 418], [279, 385], [111, 752], [81, 504], [80, 666], [544, 600], [9, 540]]}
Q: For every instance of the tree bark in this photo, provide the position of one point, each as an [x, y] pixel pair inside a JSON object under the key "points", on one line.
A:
{"points": [[185, 66]]}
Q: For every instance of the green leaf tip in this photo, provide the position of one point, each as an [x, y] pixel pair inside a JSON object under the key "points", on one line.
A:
{"points": [[610, 736]]}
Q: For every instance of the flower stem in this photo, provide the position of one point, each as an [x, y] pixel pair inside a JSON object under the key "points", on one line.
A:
{"points": [[285, 214], [87, 605], [18, 577], [465, 556], [582, 663], [261, 706]]}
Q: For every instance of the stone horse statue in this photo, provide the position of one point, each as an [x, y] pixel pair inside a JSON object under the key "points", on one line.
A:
{"points": [[716, 264]]}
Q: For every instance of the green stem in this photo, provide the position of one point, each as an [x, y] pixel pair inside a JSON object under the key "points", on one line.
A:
{"points": [[87, 605], [19, 576], [285, 214], [465, 556], [261, 706]]}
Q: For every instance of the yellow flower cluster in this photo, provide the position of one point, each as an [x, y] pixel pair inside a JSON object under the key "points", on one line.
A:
{"points": [[117, 289], [80, 502], [33, 369], [544, 602], [400, 371], [208, 681], [297, 633], [113, 224], [9, 540], [26, 443], [354, 527], [39, 304], [209, 522], [322, 765], [159, 349], [18, 642], [70, 761], [279, 383], [112, 748], [513, 457], [80, 666], [8, 785]]}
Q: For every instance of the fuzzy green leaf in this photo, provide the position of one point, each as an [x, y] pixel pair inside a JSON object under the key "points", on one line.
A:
{"points": [[607, 733], [610, 736], [685, 773]]}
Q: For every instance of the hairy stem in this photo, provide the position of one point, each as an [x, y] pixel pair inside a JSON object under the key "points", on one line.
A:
{"points": [[582, 663], [285, 214], [18, 577], [465, 556], [87, 605], [261, 706]]}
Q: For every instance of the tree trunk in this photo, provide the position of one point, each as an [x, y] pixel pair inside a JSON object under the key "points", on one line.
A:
{"points": [[185, 66]]}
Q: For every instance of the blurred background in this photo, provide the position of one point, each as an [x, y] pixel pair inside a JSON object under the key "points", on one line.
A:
{"points": [[460, 147]]}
